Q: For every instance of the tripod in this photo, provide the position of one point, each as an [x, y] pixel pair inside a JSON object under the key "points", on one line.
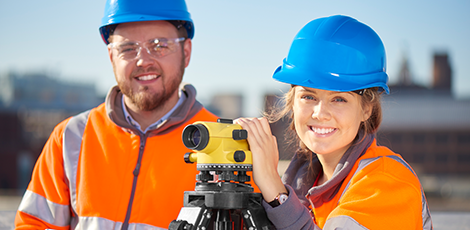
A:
{"points": [[222, 205]]}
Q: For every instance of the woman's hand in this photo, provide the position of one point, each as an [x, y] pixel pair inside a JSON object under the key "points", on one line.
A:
{"points": [[263, 146]]}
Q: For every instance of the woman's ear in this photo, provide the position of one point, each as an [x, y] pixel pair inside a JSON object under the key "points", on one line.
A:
{"points": [[367, 112]]}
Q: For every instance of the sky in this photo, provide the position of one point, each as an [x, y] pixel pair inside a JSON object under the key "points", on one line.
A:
{"points": [[237, 44]]}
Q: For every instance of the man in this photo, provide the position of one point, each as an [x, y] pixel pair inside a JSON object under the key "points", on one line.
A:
{"points": [[120, 165]]}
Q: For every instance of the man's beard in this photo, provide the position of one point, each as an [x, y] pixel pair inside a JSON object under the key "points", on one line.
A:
{"points": [[146, 101]]}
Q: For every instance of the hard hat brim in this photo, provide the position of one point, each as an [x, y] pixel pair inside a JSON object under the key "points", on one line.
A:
{"points": [[330, 81]]}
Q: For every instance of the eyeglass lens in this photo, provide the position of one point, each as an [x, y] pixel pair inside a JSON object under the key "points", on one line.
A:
{"points": [[156, 47]]}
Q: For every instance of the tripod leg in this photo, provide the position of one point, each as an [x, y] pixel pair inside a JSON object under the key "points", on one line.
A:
{"points": [[192, 218], [254, 217], [223, 220]]}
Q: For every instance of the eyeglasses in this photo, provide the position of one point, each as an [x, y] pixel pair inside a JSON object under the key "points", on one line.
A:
{"points": [[158, 47]]}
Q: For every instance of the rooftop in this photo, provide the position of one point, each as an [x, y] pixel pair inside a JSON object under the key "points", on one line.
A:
{"points": [[424, 109]]}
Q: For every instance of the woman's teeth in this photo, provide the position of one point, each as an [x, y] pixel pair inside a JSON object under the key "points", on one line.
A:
{"points": [[322, 130]]}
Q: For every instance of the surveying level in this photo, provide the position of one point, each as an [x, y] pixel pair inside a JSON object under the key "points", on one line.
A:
{"points": [[217, 145], [222, 200]]}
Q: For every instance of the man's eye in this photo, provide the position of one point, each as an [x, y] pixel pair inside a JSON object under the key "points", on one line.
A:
{"points": [[127, 49], [160, 45], [307, 97]]}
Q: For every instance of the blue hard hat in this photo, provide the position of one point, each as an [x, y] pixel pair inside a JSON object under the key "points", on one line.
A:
{"points": [[336, 53], [122, 11]]}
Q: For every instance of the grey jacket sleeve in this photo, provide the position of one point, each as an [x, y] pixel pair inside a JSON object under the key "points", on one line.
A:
{"points": [[291, 214]]}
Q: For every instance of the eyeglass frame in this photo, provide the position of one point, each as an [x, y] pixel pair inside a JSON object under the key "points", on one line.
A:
{"points": [[140, 45]]}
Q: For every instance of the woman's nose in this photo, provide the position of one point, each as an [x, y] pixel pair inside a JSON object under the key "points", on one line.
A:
{"points": [[321, 111]]}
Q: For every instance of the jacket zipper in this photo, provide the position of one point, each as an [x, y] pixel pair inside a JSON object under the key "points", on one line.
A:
{"points": [[143, 139]]}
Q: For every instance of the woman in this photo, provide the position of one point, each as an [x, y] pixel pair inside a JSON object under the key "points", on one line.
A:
{"points": [[339, 178]]}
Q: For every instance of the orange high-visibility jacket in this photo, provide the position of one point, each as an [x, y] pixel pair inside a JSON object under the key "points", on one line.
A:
{"points": [[96, 170], [379, 191], [382, 192]]}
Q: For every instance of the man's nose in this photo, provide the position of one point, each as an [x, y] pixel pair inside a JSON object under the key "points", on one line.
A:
{"points": [[144, 57]]}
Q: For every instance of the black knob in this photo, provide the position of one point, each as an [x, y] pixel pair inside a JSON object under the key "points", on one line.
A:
{"points": [[239, 134], [179, 225], [239, 156], [186, 158]]}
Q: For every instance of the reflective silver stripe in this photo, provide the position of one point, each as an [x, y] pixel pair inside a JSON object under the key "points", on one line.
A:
{"points": [[362, 164], [102, 223], [72, 141], [343, 222], [50, 212], [427, 223]]}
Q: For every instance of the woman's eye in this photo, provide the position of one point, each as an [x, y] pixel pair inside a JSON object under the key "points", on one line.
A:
{"points": [[307, 97], [339, 99]]}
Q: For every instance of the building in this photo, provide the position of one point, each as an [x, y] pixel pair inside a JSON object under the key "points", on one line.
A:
{"points": [[428, 126], [31, 105]]}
